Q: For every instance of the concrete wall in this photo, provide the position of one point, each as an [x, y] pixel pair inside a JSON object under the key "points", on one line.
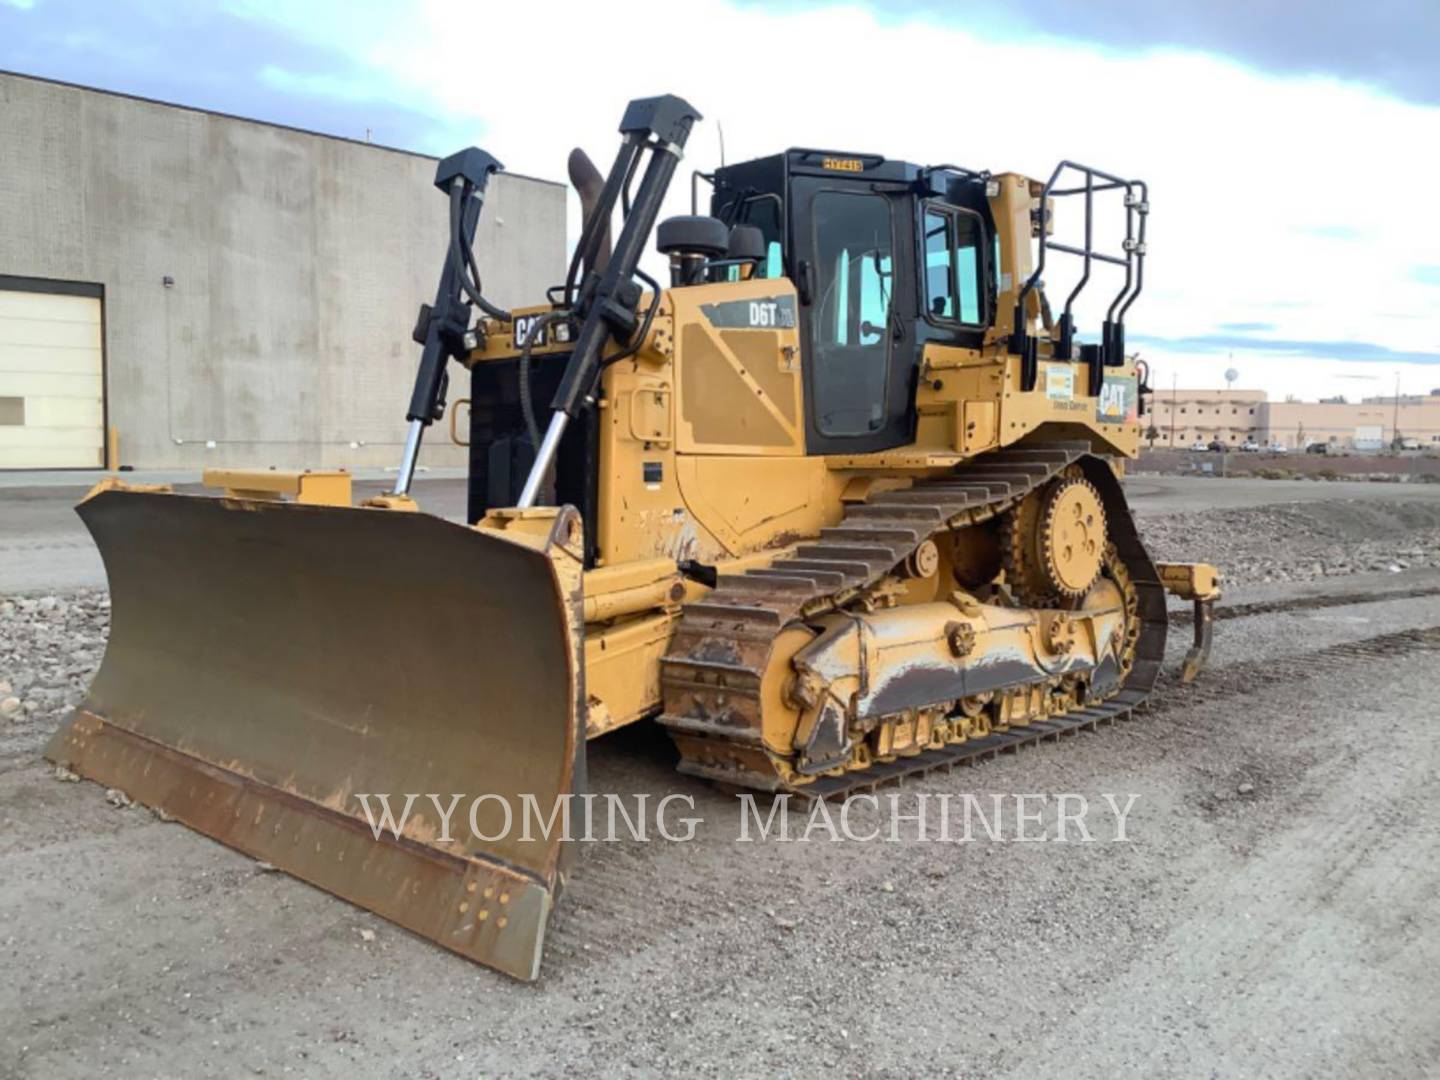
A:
{"points": [[298, 260]]}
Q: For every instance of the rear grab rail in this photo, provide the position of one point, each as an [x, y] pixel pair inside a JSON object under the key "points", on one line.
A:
{"points": [[1110, 352]]}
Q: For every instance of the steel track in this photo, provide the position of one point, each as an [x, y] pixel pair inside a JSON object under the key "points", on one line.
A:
{"points": [[712, 676], [1235, 680]]}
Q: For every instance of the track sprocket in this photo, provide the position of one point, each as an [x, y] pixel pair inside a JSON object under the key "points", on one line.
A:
{"points": [[1053, 541]]}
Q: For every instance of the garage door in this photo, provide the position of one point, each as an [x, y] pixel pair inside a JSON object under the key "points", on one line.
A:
{"points": [[52, 412]]}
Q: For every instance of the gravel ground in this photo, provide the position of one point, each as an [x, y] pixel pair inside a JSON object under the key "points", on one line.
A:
{"points": [[1409, 467], [1268, 915], [1301, 542], [50, 646]]}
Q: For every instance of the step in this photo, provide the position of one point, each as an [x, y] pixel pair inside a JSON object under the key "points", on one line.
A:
{"points": [[919, 512], [820, 581], [731, 584], [885, 554], [844, 534], [738, 613], [1019, 475], [846, 568], [740, 671], [927, 494]]}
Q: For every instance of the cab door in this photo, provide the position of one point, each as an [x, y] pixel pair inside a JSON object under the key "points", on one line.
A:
{"points": [[852, 243]]}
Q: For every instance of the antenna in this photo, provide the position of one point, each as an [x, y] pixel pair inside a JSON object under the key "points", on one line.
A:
{"points": [[1230, 376], [720, 130]]}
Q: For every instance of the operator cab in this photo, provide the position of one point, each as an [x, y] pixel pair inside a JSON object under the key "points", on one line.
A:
{"points": [[885, 256]]}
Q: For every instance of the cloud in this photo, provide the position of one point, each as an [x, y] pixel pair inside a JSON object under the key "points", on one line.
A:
{"points": [[1251, 238], [320, 85], [1331, 232], [1425, 275], [1363, 351], [213, 58], [1389, 44]]}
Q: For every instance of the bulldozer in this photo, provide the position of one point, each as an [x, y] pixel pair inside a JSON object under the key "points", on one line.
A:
{"points": [[837, 505]]}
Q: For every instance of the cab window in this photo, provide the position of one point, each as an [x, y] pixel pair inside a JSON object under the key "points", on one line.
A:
{"points": [[939, 243], [852, 311], [954, 269], [763, 211]]}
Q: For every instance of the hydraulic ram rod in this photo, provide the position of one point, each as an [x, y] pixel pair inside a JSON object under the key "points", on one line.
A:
{"points": [[442, 326], [607, 304], [546, 454]]}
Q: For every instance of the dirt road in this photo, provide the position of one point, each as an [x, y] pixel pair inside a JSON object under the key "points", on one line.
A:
{"points": [[1268, 913], [44, 547]]}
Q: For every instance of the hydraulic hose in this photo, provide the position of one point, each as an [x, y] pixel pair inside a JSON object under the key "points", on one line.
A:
{"points": [[527, 403], [463, 260]]}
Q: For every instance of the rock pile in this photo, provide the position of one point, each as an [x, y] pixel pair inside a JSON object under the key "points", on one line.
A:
{"points": [[50, 647]]}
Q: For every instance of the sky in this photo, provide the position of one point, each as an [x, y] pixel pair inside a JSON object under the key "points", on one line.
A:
{"points": [[1292, 148]]}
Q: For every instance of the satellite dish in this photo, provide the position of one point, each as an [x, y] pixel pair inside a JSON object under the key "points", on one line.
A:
{"points": [[1230, 376]]}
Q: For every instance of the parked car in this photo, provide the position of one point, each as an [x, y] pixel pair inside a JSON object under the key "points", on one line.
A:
{"points": [[1199, 444], [1217, 446], [1318, 448], [1249, 446], [1278, 448]]}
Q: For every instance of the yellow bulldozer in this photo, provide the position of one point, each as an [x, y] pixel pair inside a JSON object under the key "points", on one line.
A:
{"points": [[839, 505]]}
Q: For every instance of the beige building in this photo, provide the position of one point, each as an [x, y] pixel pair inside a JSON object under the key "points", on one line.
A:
{"points": [[1371, 424], [1181, 418]]}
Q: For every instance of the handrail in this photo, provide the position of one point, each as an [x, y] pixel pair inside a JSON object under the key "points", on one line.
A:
{"points": [[1111, 350], [455, 416]]}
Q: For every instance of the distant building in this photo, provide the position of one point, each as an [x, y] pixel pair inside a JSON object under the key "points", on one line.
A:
{"points": [[1184, 417], [1371, 424]]}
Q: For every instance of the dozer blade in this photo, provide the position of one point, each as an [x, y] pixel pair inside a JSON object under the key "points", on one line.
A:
{"points": [[271, 663]]}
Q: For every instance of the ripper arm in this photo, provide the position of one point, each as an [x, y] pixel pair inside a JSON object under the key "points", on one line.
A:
{"points": [[1200, 583]]}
